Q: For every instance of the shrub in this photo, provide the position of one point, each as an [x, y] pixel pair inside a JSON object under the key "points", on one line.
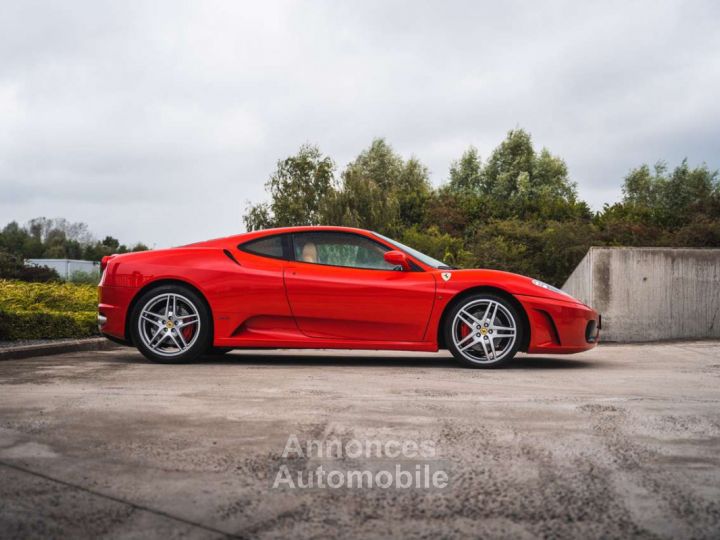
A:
{"points": [[440, 246], [88, 278], [38, 274], [12, 267], [46, 325], [47, 310], [63, 297]]}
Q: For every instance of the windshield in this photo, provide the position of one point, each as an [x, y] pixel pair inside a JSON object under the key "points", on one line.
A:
{"points": [[426, 259]]}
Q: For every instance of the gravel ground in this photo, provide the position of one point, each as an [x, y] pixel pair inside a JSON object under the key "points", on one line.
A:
{"points": [[616, 442]]}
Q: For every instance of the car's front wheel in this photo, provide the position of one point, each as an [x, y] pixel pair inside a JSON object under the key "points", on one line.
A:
{"points": [[171, 324], [483, 331]]}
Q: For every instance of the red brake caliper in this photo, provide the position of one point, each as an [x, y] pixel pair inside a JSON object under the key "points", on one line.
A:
{"points": [[187, 332]]}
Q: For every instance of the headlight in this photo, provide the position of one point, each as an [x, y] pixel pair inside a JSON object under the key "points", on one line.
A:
{"points": [[549, 287]]}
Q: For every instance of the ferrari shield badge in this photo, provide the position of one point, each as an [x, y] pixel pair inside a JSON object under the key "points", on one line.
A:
{"points": [[446, 276]]}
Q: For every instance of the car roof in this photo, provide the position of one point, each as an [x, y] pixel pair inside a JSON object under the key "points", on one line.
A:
{"points": [[244, 237], [306, 228]]}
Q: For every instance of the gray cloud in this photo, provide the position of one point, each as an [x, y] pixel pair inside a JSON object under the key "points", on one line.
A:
{"points": [[156, 121]]}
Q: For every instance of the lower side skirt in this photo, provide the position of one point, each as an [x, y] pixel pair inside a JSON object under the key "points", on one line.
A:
{"points": [[422, 346]]}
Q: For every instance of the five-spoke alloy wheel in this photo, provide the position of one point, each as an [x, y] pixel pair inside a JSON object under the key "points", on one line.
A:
{"points": [[171, 324], [483, 330]]}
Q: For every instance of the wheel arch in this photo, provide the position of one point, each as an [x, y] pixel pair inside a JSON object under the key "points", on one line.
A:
{"points": [[159, 283], [485, 289]]}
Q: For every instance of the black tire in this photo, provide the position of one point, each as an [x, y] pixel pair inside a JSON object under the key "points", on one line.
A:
{"points": [[484, 337], [201, 339]]}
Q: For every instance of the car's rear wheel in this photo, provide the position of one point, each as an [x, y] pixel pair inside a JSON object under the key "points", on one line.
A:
{"points": [[171, 324], [483, 331]]}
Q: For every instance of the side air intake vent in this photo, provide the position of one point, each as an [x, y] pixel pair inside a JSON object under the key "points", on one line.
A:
{"points": [[231, 256]]}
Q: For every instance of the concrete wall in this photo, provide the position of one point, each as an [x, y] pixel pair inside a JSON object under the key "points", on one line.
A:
{"points": [[646, 294], [66, 267]]}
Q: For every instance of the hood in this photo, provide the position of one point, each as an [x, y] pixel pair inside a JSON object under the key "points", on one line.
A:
{"points": [[507, 281]]}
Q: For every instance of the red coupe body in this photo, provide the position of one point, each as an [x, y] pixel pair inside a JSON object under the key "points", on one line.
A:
{"points": [[276, 300]]}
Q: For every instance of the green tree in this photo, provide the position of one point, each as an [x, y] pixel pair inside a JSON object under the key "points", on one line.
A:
{"points": [[258, 216], [367, 196], [466, 173], [55, 244], [509, 166], [452, 211], [641, 186], [57, 238], [110, 242], [546, 250], [297, 189], [522, 183], [413, 191], [441, 246], [380, 191], [665, 200], [14, 238], [518, 211]]}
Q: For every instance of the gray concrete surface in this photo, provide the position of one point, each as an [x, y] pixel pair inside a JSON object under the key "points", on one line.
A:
{"points": [[649, 294], [621, 441], [10, 350]]}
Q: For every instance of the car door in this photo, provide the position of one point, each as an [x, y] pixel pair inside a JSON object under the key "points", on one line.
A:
{"points": [[340, 287]]}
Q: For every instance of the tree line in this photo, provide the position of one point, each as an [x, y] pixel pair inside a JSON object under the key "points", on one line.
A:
{"points": [[43, 238], [517, 210]]}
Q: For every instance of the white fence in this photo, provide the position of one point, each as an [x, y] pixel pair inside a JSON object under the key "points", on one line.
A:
{"points": [[66, 267]]}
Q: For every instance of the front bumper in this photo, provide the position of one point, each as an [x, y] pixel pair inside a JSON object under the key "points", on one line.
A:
{"points": [[560, 327]]}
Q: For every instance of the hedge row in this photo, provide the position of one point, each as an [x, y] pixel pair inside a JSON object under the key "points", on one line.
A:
{"points": [[55, 296], [47, 310], [47, 325]]}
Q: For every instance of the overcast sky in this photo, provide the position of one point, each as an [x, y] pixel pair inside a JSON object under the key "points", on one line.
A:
{"points": [[157, 121]]}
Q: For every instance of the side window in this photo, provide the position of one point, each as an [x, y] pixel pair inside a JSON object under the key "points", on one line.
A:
{"points": [[271, 246], [340, 249]]}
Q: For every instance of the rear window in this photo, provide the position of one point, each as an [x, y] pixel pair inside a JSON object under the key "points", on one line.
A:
{"points": [[271, 246]]}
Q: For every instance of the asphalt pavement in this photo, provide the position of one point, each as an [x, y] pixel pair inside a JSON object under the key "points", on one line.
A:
{"points": [[615, 442]]}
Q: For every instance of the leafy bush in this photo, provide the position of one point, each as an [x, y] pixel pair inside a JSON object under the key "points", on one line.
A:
{"points": [[12, 267], [16, 295], [88, 278], [47, 310], [38, 274], [440, 246], [46, 325]]}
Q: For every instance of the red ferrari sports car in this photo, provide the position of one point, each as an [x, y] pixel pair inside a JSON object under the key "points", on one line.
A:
{"points": [[330, 288]]}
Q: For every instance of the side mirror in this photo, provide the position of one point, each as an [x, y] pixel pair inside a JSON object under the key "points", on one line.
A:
{"points": [[397, 258]]}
